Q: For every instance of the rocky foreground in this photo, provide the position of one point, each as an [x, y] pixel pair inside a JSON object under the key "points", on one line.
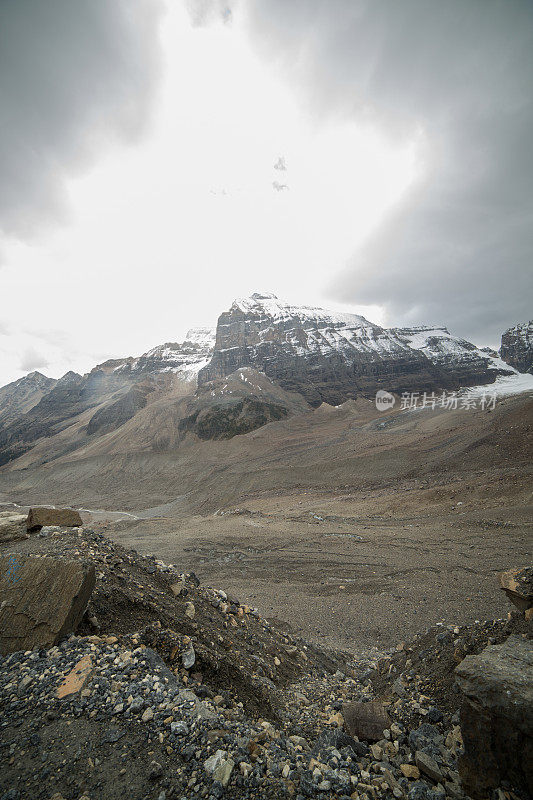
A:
{"points": [[169, 689]]}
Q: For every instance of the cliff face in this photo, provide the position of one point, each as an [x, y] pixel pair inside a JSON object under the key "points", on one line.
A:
{"points": [[329, 357], [517, 347]]}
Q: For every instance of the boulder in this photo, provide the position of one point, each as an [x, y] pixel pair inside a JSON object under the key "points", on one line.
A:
{"points": [[12, 526], [366, 720], [41, 600], [65, 517], [497, 718], [518, 586]]}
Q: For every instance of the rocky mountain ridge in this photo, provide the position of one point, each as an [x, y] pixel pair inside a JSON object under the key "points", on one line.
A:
{"points": [[312, 355], [330, 357]]}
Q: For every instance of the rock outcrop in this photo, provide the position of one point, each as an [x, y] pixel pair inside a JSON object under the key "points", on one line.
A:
{"points": [[43, 599], [12, 526], [497, 718], [518, 586], [228, 420], [330, 357], [40, 517], [517, 347]]}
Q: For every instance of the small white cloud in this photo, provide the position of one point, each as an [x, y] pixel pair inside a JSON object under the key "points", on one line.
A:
{"points": [[279, 187], [280, 164]]}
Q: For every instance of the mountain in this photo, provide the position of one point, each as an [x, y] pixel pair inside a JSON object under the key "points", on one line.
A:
{"points": [[330, 357], [517, 347], [20, 396], [266, 361], [115, 391]]}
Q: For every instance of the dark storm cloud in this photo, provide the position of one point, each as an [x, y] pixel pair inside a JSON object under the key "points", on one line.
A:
{"points": [[459, 249], [74, 76]]}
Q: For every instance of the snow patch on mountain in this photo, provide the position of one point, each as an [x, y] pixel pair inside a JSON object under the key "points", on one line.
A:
{"points": [[504, 386], [441, 347], [268, 305], [185, 359]]}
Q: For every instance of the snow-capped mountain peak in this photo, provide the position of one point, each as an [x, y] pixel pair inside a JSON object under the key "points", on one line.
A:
{"points": [[331, 356], [268, 305]]}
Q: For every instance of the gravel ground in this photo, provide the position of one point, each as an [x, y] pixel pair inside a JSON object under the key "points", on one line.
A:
{"points": [[196, 695]]}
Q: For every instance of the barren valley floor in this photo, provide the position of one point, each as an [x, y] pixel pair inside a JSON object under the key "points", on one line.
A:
{"points": [[356, 529], [344, 577]]}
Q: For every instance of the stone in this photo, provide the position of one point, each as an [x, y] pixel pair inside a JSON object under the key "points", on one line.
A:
{"points": [[518, 586], [334, 738], [222, 772], [366, 720], [428, 766], [497, 718], [421, 791], [147, 715], [426, 738], [190, 610], [12, 527], [179, 728], [410, 771], [42, 600], [377, 752], [41, 517], [188, 657], [398, 688], [214, 761], [77, 678], [156, 771]]}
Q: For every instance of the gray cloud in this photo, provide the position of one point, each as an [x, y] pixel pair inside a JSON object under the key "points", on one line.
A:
{"points": [[31, 359], [74, 76], [279, 187], [459, 249], [280, 164]]}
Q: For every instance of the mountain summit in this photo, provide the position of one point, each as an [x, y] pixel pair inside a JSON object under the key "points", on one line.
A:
{"points": [[330, 356]]}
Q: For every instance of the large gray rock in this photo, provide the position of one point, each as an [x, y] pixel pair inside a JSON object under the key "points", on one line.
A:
{"points": [[366, 720], [40, 517], [497, 718], [12, 526], [41, 600]]}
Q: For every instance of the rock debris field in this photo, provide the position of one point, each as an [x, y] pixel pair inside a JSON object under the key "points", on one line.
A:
{"points": [[170, 689]]}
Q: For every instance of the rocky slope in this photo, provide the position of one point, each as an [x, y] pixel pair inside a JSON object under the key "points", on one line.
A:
{"points": [[517, 347], [171, 689], [329, 357], [38, 407], [21, 396]]}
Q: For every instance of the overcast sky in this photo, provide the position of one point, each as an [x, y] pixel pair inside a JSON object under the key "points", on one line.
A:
{"points": [[158, 159]]}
